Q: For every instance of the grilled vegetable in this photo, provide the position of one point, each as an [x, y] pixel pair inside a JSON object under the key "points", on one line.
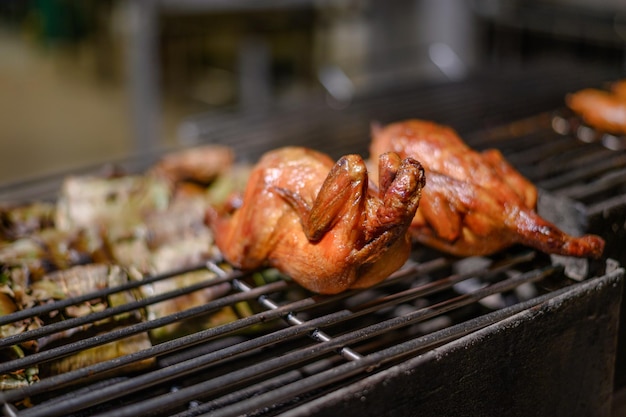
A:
{"points": [[22, 377], [102, 232], [112, 206], [67, 283], [18, 221]]}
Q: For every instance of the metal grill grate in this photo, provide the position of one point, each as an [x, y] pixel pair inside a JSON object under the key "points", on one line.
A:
{"points": [[296, 348], [290, 351]]}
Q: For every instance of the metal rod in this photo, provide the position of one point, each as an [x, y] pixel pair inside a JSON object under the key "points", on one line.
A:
{"points": [[103, 293], [70, 348], [259, 370], [75, 376], [291, 318], [367, 364], [143, 70], [106, 313]]}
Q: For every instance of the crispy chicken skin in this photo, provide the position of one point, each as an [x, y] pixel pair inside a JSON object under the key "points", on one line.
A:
{"points": [[603, 110], [444, 151], [473, 203], [319, 221]]}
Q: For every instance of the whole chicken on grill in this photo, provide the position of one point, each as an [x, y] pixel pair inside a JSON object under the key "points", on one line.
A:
{"points": [[473, 203], [319, 222]]}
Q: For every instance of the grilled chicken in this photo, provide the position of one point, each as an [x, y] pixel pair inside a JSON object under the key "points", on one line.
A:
{"points": [[619, 88], [473, 203], [319, 222], [202, 164], [603, 110]]}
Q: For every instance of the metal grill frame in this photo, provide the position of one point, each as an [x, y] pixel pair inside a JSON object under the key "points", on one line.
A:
{"points": [[287, 385]]}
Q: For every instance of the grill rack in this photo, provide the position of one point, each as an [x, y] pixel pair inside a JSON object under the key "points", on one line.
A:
{"points": [[245, 375], [516, 141]]}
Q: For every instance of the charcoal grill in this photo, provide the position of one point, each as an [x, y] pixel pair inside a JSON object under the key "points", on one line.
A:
{"points": [[520, 332], [320, 354], [323, 350]]}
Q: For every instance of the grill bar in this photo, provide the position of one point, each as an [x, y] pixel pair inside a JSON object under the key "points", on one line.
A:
{"points": [[365, 366], [445, 283], [317, 334], [105, 314], [604, 184], [203, 336], [261, 387], [68, 378], [276, 369], [185, 395], [537, 152], [141, 327], [310, 328], [583, 175], [102, 293], [577, 158]]}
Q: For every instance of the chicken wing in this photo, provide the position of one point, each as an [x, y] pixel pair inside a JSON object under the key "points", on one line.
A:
{"points": [[473, 203], [319, 222]]}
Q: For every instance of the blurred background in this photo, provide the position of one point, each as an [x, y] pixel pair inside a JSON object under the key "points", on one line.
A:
{"points": [[86, 82]]}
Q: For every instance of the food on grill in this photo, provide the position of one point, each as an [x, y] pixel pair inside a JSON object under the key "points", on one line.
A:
{"points": [[201, 165], [112, 206], [318, 221], [473, 203], [104, 231], [443, 151], [22, 220], [601, 109], [22, 377], [59, 285], [32, 256], [619, 88], [84, 279]]}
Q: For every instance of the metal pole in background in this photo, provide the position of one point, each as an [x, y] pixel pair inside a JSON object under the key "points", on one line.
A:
{"points": [[144, 75]]}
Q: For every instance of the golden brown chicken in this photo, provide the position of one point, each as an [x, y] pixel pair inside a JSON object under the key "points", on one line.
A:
{"points": [[603, 110], [473, 203], [319, 222]]}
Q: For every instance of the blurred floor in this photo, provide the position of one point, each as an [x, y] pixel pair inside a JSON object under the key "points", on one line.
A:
{"points": [[55, 116]]}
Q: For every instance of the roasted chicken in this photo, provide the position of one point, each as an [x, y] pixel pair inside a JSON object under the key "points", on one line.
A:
{"points": [[601, 109], [473, 203], [320, 222]]}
